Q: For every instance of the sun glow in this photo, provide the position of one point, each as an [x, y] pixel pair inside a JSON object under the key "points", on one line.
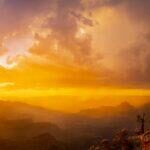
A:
{"points": [[16, 47], [83, 92]]}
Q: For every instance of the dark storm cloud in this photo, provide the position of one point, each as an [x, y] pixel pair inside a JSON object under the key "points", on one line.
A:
{"points": [[134, 62], [139, 8], [67, 15], [17, 14]]}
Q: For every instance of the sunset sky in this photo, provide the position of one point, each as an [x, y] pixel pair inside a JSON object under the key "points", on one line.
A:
{"points": [[74, 47]]}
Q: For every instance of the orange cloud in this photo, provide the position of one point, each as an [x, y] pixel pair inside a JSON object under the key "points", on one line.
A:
{"points": [[75, 43]]}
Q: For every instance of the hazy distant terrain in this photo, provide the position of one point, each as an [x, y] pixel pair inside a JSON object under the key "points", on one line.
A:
{"points": [[22, 123]]}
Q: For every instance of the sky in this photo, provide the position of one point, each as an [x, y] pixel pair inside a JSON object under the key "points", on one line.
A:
{"points": [[74, 45]]}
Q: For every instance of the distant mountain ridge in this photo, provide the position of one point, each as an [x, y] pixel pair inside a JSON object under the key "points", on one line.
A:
{"points": [[19, 120], [103, 111], [19, 110]]}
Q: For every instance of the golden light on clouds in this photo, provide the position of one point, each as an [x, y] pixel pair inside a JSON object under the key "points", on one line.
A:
{"points": [[76, 47]]}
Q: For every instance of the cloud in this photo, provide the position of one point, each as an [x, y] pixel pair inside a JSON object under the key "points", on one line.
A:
{"points": [[64, 24], [62, 17], [133, 64], [64, 33], [137, 9], [130, 63]]}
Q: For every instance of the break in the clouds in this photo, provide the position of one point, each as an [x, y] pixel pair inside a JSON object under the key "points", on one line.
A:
{"points": [[106, 38]]}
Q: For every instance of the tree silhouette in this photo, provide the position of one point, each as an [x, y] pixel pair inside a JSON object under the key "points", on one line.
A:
{"points": [[105, 144], [121, 141], [142, 119]]}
